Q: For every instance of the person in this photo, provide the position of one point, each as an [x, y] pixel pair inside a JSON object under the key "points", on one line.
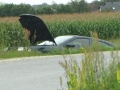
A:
{"points": [[28, 35]]}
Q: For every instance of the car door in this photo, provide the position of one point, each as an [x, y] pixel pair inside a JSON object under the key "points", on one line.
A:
{"points": [[79, 42]]}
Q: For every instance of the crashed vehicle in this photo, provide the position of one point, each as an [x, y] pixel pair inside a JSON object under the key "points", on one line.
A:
{"points": [[38, 31]]}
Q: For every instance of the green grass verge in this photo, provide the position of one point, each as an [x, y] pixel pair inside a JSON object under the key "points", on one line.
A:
{"points": [[64, 51], [16, 54]]}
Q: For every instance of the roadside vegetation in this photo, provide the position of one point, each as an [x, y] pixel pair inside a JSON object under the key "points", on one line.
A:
{"points": [[106, 25], [95, 71]]}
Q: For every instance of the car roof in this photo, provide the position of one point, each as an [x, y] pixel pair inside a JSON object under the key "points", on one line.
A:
{"points": [[77, 36]]}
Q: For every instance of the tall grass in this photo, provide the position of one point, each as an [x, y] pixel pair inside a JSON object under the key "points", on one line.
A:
{"points": [[94, 72]]}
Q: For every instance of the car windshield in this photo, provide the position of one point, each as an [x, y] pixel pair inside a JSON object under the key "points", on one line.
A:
{"points": [[58, 40]]}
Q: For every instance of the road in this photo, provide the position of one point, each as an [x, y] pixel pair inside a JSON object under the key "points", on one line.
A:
{"points": [[35, 73], [32, 73]]}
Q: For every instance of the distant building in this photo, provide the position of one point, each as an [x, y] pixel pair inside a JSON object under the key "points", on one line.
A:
{"points": [[110, 6]]}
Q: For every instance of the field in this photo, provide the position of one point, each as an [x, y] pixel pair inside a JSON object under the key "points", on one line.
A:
{"points": [[107, 26]]}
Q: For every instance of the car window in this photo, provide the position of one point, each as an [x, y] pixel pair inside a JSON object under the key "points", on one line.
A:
{"points": [[83, 42], [62, 39], [58, 40]]}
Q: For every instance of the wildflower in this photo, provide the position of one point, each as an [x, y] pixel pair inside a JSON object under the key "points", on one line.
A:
{"points": [[118, 76], [90, 72], [75, 68], [92, 85], [78, 84], [83, 75], [103, 85], [84, 51], [71, 88]]}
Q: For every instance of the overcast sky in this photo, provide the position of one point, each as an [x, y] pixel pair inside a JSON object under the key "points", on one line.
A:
{"points": [[32, 2]]}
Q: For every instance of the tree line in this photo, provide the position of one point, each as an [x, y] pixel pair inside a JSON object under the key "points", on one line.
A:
{"points": [[74, 6]]}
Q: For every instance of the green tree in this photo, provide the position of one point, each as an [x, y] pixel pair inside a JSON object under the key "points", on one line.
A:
{"points": [[84, 6], [45, 10], [25, 8], [64, 9], [5, 9], [80, 6], [15, 10]]}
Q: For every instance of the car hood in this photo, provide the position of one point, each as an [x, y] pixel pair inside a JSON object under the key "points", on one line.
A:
{"points": [[36, 27]]}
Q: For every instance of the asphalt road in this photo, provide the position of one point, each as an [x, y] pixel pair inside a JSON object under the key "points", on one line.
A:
{"points": [[32, 73], [35, 73]]}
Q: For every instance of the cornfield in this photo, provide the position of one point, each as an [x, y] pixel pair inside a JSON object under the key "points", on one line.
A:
{"points": [[11, 34], [107, 26]]}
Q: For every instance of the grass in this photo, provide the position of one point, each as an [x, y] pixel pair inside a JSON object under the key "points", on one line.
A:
{"points": [[96, 71], [16, 54]]}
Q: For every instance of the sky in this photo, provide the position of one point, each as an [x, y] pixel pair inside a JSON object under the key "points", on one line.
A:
{"points": [[34, 2]]}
